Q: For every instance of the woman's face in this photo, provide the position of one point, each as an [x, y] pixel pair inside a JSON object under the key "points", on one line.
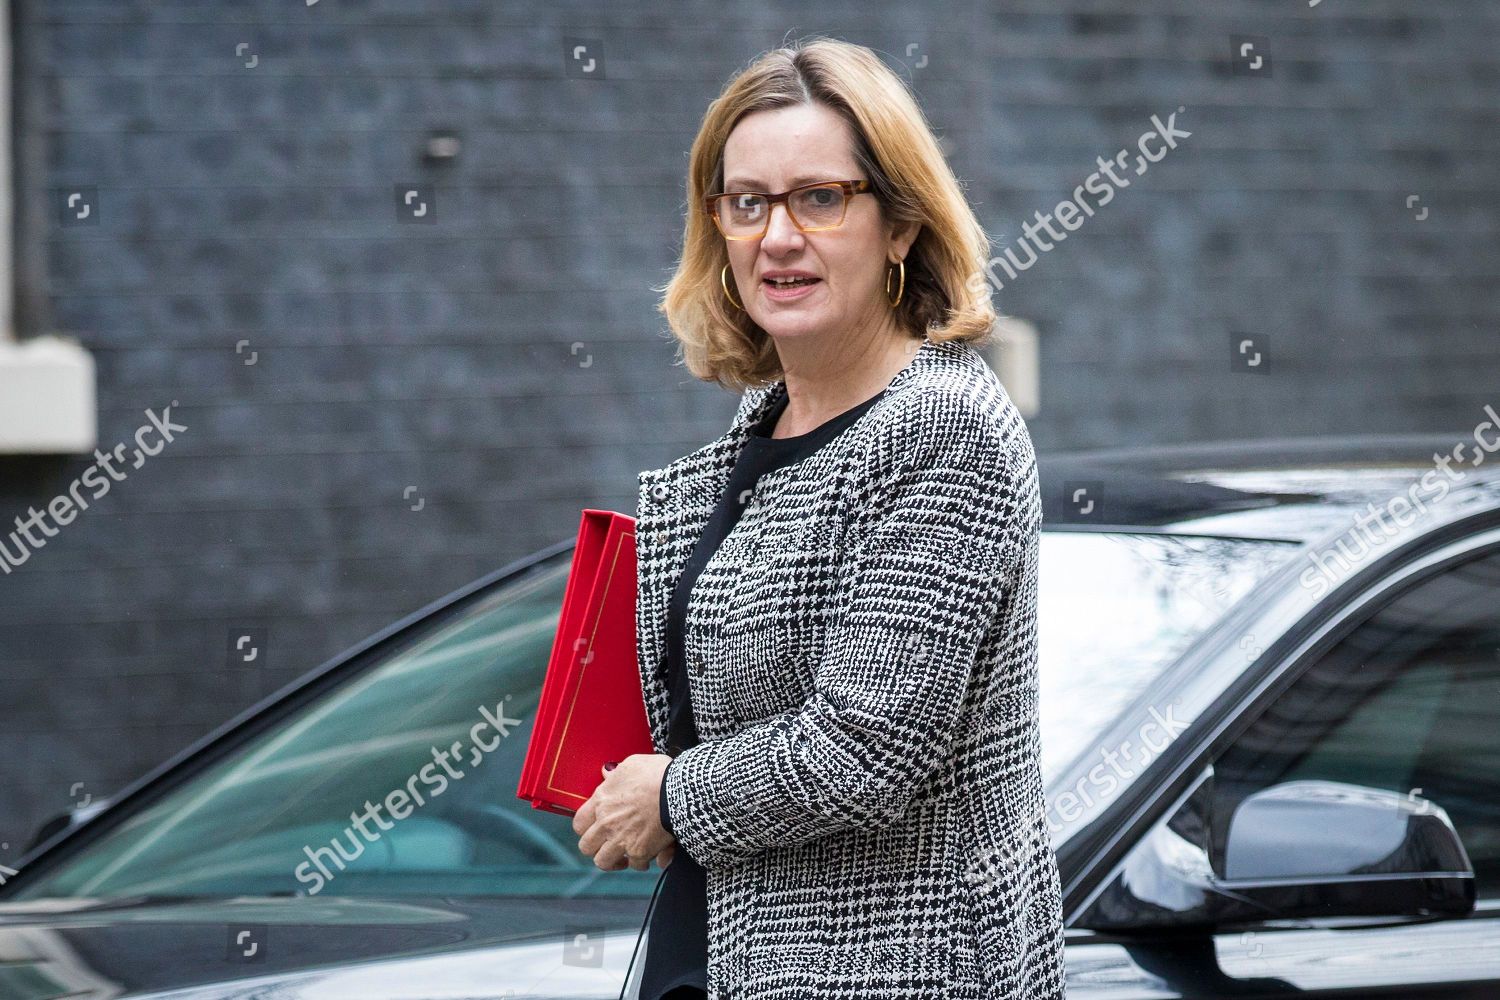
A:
{"points": [[774, 151]]}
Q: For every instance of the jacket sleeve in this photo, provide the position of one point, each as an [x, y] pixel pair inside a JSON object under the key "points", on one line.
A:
{"points": [[661, 806], [932, 526]]}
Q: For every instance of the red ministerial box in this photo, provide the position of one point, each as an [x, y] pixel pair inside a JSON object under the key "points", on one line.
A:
{"points": [[591, 707]]}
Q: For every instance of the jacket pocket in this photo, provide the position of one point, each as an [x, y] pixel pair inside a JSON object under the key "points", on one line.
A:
{"points": [[995, 890], [760, 670]]}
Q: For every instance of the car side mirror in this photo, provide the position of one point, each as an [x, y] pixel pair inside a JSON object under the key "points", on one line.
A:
{"points": [[1295, 850]]}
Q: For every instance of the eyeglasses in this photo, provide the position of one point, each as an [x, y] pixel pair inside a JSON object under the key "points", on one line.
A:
{"points": [[746, 215]]}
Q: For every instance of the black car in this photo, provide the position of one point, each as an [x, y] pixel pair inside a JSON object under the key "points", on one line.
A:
{"points": [[1270, 693]]}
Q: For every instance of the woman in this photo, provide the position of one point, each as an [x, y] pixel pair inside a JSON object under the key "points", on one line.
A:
{"points": [[839, 594]]}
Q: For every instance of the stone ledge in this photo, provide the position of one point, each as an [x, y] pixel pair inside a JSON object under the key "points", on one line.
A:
{"points": [[47, 397]]}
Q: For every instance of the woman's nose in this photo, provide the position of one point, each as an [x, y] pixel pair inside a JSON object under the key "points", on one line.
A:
{"points": [[780, 229]]}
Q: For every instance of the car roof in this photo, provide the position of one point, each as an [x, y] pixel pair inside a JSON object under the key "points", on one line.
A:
{"points": [[1289, 488]]}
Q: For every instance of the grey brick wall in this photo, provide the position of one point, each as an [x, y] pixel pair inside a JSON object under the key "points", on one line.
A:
{"points": [[257, 204]]}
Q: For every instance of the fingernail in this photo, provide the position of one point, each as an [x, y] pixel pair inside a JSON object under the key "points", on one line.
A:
{"points": [[609, 765]]}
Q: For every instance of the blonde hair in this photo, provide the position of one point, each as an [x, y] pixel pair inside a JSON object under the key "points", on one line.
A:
{"points": [[946, 296]]}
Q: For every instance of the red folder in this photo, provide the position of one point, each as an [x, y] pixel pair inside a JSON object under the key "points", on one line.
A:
{"points": [[591, 708]]}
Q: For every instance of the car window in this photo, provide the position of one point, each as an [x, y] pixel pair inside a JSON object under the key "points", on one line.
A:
{"points": [[295, 802], [282, 812], [1407, 703], [1115, 610]]}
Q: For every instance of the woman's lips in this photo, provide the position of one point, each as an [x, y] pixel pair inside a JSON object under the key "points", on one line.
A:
{"points": [[779, 294]]}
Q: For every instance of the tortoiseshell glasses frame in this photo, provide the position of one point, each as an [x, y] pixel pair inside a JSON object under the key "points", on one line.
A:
{"points": [[712, 203]]}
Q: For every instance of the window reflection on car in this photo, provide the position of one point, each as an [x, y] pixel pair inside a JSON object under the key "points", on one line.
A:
{"points": [[1115, 609]]}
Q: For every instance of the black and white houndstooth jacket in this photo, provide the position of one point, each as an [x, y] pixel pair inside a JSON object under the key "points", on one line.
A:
{"points": [[867, 799]]}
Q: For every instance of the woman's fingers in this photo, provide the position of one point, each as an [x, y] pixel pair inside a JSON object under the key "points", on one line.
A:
{"points": [[664, 858], [584, 817]]}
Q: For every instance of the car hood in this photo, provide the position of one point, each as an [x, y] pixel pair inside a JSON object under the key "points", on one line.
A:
{"points": [[317, 948]]}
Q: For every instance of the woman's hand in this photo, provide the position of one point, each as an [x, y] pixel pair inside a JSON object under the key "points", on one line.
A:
{"points": [[620, 824]]}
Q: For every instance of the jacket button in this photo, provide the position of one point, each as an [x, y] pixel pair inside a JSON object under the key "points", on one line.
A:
{"points": [[659, 491], [659, 538]]}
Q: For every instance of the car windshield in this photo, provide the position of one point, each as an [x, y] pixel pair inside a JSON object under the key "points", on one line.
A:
{"points": [[297, 808], [1114, 610]]}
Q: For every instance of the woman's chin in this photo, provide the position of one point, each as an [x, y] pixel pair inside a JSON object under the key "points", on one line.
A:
{"points": [[788, 328]]}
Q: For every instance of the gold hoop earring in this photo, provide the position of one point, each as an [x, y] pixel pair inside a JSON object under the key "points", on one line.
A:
{"points": [[900, 289], [724, 283]]}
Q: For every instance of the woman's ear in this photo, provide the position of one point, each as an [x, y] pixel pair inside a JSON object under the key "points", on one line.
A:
{"points": [[902, 236]]}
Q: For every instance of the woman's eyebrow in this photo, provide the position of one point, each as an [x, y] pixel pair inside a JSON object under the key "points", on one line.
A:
{"points": [[798, 181]]}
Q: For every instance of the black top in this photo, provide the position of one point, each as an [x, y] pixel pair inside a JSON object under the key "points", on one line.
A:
{"points": [[677, 944]]}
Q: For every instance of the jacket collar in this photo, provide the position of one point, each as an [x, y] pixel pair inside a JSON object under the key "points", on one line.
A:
{"points": [[718, 456]]}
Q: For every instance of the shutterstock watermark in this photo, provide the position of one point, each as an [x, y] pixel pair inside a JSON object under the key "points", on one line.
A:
{"points": [[1329, 565], [399, 800], [1116, 767], [1071, 213], [33, 531]]}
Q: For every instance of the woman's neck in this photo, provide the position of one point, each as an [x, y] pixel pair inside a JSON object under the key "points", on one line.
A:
{"points": [[821, 387]]}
